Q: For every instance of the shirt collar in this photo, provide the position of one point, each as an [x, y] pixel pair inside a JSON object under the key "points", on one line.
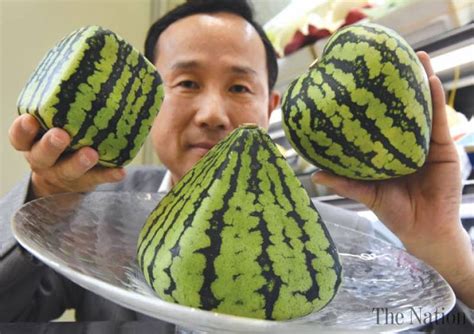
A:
{"points": [[166, 183]]}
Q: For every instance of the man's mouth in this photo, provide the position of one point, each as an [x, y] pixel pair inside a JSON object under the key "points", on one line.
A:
{"points": [[202, 147]]}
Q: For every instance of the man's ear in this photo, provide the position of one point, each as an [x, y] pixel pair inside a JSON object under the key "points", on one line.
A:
{"points": [[273, 102]]}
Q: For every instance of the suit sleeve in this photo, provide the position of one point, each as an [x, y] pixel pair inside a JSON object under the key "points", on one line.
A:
{"points": [[29, 290]]}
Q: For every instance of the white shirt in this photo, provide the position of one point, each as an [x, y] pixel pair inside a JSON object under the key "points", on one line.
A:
{"points": [[166, 183]]}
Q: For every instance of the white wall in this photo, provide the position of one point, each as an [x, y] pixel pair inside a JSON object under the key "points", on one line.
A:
{"points": [[28, 29]]}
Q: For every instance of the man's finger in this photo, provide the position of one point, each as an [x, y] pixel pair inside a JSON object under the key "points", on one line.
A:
{"points": [[23, 131], [105, 175], [79, 168], [48, 149], [426, 62], [76, 165], [360, 191], [440, 129]]}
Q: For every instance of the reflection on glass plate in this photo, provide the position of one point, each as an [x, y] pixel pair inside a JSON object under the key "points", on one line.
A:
{"points": [[91, 239]]}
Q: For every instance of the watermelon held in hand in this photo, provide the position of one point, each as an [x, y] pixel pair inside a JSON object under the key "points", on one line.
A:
{"points": [[98, 88], [363, 110], [238, 234]]}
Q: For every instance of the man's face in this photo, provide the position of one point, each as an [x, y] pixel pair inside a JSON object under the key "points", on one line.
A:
{"points": [[215, 76]]}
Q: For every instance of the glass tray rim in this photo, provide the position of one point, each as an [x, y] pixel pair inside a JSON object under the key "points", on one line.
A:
{"points": [[244, 324]]}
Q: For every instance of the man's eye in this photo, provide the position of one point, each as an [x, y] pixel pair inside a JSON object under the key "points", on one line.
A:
{"points": [[239, 89], [188, 84]]}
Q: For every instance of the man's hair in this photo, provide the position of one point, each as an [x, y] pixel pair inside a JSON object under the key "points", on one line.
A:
{"points": [[237, 7]]}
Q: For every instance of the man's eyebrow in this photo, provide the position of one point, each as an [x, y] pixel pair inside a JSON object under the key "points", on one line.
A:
{"points": [[185, 65], [192, 64], [243, 70]]}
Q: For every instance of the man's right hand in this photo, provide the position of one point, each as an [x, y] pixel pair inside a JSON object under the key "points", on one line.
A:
{"points": [[53, 173]]}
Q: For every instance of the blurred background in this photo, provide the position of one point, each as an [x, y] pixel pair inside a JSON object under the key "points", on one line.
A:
{"points": [[297, 28]]}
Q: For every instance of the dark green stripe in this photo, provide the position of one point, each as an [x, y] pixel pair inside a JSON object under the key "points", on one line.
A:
{"points": [[313, 292], [271, 289], [68, 88], [107, 87], [119, 112], [216, 226], [145, 113], [58, 63]]}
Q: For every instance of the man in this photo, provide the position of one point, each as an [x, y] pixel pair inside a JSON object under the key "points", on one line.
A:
{"points": [[219, 70]]}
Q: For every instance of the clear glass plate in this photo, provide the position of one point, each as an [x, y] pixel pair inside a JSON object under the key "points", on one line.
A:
{"points": [[91, 239]]}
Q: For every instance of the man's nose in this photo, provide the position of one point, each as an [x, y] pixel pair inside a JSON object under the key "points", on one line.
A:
{"points": [[212, 113]]}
